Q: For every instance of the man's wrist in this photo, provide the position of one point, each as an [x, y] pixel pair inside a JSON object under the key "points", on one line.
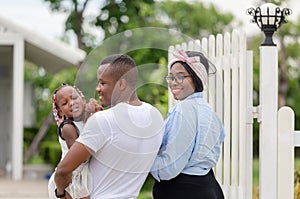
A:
{"points": [[60, 195]]}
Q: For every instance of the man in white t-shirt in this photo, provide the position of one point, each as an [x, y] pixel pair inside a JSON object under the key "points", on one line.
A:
{"points": [[123, 140]]}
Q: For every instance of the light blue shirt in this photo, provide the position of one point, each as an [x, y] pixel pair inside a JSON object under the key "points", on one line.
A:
{"points": [[192, 140]]}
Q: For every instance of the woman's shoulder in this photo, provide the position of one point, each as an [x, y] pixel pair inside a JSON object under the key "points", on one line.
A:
{"points": [[181, 107], [191, 105]]}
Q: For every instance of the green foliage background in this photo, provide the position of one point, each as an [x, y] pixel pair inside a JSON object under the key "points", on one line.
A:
{"points": [[116, 17], [193, 18]]}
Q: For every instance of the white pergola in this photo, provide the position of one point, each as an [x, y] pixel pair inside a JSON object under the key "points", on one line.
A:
{"points": [[17, 44]]}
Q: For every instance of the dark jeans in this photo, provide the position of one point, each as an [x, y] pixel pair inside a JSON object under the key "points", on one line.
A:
{"points": [[188, 187]]}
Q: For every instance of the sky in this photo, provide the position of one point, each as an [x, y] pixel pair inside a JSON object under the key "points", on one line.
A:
{"points": [[36, 14]]}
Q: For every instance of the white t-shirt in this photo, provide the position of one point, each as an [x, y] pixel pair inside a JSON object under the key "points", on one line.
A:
{"points": [[125, 140]]}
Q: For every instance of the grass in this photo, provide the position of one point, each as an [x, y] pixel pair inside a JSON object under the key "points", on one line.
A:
{"points": [[146, 191], [255, 178], [255, 193]]}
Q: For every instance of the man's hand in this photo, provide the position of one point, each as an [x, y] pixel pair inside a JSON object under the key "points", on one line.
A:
{"points": [[77, 154], [62, 181]]}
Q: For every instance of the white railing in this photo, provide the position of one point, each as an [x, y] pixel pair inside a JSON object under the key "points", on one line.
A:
{"points": [[230, 94]]}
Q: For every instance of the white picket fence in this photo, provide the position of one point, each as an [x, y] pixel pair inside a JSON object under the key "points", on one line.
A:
{"points": [[230, 93], [288, 138]]}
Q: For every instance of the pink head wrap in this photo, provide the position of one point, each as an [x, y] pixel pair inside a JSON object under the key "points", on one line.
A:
{"points": [[193, 62]]}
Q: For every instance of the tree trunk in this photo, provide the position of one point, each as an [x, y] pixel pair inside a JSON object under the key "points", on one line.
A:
{"points": [[80, 31], [33, 149], [79, 21]]}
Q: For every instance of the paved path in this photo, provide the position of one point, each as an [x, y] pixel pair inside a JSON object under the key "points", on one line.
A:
{"points": [[23, 189]]}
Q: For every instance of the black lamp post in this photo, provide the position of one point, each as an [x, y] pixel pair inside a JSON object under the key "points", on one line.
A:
{"points": [[269, 18]]}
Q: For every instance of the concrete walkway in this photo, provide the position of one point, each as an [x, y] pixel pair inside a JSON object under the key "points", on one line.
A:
{"points": [[23, 189]]}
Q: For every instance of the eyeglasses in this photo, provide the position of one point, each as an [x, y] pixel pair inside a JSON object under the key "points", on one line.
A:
{"points": [[178, 78]]}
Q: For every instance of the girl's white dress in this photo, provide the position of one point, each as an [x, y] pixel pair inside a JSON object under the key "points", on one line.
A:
{"points": [[81, 184]]}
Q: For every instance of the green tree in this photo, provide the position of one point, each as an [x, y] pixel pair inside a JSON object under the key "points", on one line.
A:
{"points": [[123, 17], [113, 17], [289, 78], [194, 19], [191, 18]]}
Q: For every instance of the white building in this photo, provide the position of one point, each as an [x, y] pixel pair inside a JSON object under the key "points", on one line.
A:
{"points": [[16, 45]]}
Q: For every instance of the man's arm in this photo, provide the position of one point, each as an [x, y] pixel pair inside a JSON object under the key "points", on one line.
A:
{"points": [[77, 154]]}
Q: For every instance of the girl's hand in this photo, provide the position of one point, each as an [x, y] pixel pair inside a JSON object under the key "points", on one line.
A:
{"points": [[90, 108]]}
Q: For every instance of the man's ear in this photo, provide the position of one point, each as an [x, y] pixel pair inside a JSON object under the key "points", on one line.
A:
{"points": [[122, 84]]}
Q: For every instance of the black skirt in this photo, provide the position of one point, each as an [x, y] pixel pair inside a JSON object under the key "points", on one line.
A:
{"points": [[186, 186]]}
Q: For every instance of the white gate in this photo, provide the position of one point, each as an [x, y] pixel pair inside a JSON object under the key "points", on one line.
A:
{"points": [[287, 140], [230, 93]]}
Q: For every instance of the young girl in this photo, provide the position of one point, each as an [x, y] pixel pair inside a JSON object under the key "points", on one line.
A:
{"points": [[69, 112]]}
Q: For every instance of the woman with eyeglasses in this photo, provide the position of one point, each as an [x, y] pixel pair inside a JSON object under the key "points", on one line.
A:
{"points": [[193, 135]]}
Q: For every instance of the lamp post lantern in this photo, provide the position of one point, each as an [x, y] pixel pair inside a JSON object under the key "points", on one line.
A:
{"points": [[269, 18]]}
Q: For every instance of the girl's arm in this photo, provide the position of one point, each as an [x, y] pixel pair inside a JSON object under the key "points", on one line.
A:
{"points": [[69, 134]]}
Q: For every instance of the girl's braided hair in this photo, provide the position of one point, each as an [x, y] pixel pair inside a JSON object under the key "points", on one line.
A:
{"points": [[58, 118]]}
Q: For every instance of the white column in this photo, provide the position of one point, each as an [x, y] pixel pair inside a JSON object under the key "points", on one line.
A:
{"points": [[17, 128], [268, 91]]}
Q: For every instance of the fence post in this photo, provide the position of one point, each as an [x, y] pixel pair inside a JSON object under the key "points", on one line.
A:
{"points": [[247, 174], [285, 153], [268, 122]]}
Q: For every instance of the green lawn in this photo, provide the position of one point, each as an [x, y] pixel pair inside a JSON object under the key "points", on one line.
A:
{"points": [[256, 176], [147, 188]]}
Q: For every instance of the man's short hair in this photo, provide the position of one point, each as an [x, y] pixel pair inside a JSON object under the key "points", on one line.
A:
{"points": [[122, 66]]}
